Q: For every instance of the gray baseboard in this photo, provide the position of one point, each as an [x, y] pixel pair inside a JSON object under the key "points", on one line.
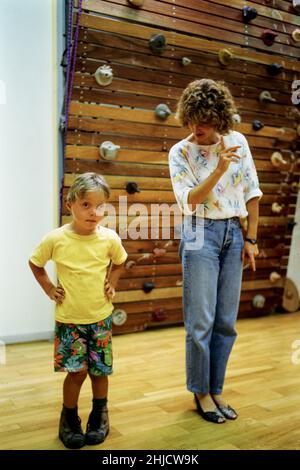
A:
{"points": [[28, 337]]}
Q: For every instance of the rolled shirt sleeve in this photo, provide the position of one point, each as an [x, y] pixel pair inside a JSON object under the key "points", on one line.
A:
{"points": [[42, 252], [250, 180], [182, 179], [117, 251]]}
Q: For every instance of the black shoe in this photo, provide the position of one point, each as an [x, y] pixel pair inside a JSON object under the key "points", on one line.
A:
{"points": [[97, 427], [212, 416], [70, 430], [226, 411]]}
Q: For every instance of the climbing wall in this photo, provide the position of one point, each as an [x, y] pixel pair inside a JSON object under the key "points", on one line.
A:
{"points": [[129, 57]]}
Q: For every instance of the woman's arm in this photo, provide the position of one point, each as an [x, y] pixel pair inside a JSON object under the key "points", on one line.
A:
{"points": [[253, 215], [227, 155], [198, 194], [250, 250]]}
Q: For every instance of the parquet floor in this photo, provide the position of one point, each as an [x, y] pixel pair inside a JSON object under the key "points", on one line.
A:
{"points": [[149, 405]]}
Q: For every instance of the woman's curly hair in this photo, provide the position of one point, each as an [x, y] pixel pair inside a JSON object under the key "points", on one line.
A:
{"points": [[207, 101]]}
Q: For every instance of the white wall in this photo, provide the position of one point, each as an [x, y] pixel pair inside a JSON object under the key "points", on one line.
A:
{"points": [[28, 152], [293, 271]]}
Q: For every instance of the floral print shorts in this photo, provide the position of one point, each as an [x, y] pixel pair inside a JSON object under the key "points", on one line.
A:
{"points": [[83, 347]]}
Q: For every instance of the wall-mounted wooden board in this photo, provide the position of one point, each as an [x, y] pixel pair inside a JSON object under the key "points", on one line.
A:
{"points": [[114, 33]]}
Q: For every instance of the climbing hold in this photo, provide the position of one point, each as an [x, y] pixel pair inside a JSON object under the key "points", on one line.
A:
{"points": [[130, 264], [108, 150], [258, 301], [277, 159], [136, 3], [274, 69], [268, 36], [296, 35], [225, 56], [249, 14], [290, 225], [104, 75], [62, 123], [119, 317], [274, 277], [132, 187], [277, 208], [159, 252], [159, 314], [296, 5], [186, 61], [257, 125], [295, 186], [143, 257], [157, 43], [236, 118], [290, 299], [266, 96], [162, 111], [295, 145], [148, 287]]}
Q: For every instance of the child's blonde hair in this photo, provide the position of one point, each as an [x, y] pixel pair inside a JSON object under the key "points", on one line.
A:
{"points": [[85, 183], [207, 101]]}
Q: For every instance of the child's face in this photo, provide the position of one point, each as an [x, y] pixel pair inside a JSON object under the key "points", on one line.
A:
{"points": [[87, 212], [204, 134]]}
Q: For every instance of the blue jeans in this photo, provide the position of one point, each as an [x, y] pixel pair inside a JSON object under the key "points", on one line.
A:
{"points": [[212, 276]]}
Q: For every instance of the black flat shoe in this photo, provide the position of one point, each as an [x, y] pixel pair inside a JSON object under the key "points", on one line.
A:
{"points": [[226, 411], [212, 416]]}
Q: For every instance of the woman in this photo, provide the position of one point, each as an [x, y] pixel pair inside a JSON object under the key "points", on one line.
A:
{"points": [[215, 184]]}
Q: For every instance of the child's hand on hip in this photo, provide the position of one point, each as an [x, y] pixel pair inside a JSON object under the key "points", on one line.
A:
{"points": [[109, 290], [57, 293]]}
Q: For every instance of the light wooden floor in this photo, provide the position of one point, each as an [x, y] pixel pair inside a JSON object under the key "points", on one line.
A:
{"points": [[149, 405]]}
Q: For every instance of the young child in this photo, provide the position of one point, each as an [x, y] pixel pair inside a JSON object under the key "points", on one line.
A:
{"points": [[82, 251]]}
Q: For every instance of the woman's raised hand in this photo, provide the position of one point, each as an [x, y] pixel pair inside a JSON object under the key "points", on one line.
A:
{"points": [[227, 156]]}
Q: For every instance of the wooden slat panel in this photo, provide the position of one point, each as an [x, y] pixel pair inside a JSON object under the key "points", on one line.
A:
{"points": [[145, 184], [220, 15], [167, 135], [79, 137], [130, 29], [162, 77], [133, 115], [139, 156], [201, 66], [263, 11], [266, 18], [124, 113], [92, 153], [187, 21], [170, 59]]}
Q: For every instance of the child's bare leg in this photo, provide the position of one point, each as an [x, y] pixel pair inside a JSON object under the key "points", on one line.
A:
{"points": [[72, 386], [99, 385], [70, 430]]}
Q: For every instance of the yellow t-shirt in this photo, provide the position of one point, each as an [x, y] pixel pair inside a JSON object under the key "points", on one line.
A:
{"points": [[81, 264]]}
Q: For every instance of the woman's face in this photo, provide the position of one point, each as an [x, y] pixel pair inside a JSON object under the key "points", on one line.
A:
{"points": [[204, 134]]}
